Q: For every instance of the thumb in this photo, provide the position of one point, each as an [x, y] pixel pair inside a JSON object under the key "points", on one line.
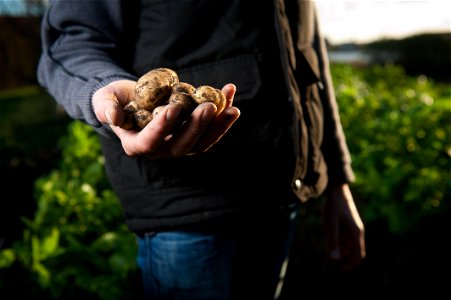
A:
{"points": [[109, 112], [113, 113], [107, 108]]}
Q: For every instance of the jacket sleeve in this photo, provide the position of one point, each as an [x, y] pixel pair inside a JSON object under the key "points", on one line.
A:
{"points": [[81, 52], [334, 147]]}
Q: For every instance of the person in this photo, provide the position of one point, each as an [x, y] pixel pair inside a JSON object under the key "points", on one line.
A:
{"points": [[212, 203]]}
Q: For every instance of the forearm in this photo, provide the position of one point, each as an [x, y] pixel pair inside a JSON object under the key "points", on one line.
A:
{"points": [[78, 59]]}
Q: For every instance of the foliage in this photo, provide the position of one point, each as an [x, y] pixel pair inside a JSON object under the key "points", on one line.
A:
{"points": [[30, 124], [397, 129], [77, 243]]}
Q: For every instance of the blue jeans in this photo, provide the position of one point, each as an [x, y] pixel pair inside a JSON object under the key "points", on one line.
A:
{"points": [[240, 263]]}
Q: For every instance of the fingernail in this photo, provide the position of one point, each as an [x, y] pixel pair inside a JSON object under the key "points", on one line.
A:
{"points": [[233, 114], [172, 113], [107, 114]]}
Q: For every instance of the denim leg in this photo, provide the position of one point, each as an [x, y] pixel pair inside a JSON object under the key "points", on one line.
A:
{"points": [[241, 264], [185, 265]]}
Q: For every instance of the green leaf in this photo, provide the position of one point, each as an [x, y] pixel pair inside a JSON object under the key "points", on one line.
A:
{"points": [[7, 257], [43, 274], [49, 246]]}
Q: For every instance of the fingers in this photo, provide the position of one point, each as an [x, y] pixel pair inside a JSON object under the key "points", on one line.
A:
{"points": [[351, 247], [332, 224], [217, 129], [105, 107], [357, 259], [113, 113], [344, 229], [353, 253], [164, 136], [193, 129], [161, 138], [203, 129], [149, 140], [333, 238], [229, 90], [221, 124], [107, 102]]}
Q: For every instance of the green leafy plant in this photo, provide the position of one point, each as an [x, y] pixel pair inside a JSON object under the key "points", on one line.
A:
{"points": [[397, 128], [77, 244]]}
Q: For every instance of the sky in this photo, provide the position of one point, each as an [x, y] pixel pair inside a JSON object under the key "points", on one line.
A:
{"points": [[367, 20], [362, 20]]}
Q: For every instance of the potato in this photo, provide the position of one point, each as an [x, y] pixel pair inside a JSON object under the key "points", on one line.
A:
{"points": [[205, 93], [154, 88], [182, 95], [159, 87]]}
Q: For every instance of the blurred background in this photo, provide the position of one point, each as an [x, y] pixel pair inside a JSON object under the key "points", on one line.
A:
{"points": [[62, 234]]}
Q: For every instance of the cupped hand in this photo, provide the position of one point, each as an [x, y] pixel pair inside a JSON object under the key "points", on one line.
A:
{"points": [[159, 138]]}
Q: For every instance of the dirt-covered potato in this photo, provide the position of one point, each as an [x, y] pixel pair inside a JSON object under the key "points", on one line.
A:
{"points": [[182, 95], [206, 93], [161, 86], [154, 88]]}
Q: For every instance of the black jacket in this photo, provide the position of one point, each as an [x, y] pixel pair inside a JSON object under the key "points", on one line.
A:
{"points": [[288, 139]]}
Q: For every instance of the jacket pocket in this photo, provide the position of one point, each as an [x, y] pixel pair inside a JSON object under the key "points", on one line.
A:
{"points": [[241, 70]]}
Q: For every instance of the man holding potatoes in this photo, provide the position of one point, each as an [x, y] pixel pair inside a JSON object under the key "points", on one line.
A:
{"points": [[211, 195]]}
